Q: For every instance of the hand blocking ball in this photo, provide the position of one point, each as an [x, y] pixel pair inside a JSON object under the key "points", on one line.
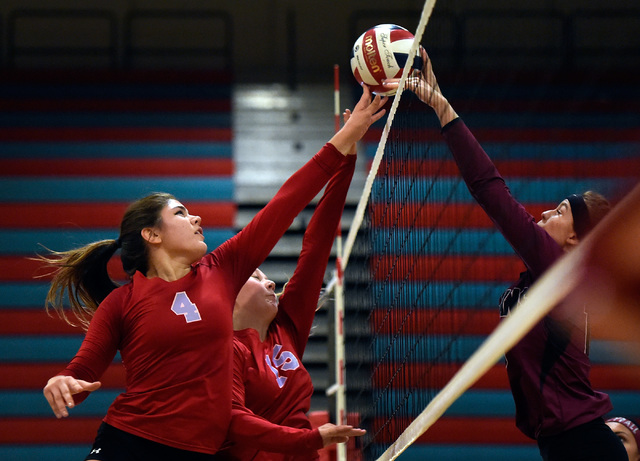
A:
{"points": [[382, 52]]}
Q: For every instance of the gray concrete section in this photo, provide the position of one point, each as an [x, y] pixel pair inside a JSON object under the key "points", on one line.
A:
{"points": [[276, 130]]}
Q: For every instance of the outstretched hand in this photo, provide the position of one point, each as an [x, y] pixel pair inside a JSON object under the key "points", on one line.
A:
{"points": [[366, 112], [332, 434], [425, 86], [59, 393]]}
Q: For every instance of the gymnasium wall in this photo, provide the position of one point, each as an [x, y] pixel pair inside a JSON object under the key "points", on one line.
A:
{"points": [[291, 41], [76, 147], [83, 109]]}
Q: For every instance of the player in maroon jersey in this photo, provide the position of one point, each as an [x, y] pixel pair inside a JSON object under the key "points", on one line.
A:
{"points": [[549, 368], [172, 322]]}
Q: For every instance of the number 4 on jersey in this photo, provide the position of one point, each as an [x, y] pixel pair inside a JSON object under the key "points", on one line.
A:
{"points": [[182, 305]]}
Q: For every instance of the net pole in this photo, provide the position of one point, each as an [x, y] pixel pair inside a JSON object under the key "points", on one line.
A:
{"points": [[340, 399]]}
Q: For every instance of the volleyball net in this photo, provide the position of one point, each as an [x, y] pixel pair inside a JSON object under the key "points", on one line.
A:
{"points": [[404, 262], [424, 267]]}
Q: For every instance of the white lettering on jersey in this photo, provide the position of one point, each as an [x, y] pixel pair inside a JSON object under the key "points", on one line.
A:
{"points": [[510, 299], [284, 360]]}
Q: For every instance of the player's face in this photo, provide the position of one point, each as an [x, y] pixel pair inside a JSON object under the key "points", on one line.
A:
{"points": [[181, 233], [628, 440], [559, 223], [258, 296]]}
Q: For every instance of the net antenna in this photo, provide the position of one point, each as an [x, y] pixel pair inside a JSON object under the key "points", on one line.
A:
{"points": [[375, 164], [338, 389]]}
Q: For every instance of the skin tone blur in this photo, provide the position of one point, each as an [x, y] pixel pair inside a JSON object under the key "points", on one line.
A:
{"points": [[612, 278]]}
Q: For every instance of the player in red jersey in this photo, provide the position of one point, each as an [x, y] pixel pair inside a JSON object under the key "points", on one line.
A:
{"points": [[271, 333], [172, 322]]}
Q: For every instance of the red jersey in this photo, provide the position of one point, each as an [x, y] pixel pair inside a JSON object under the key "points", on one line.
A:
{"points": [[175, 338], [269, 377]]}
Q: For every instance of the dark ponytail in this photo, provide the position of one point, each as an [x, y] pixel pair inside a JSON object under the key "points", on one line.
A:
{"points": [[81, 274]]}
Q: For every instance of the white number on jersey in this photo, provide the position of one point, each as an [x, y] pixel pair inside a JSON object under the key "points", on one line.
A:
{"points": [[285, 360], [182, 305]]}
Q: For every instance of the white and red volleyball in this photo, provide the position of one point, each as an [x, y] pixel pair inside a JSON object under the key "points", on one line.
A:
{"points": [[382, 52]]}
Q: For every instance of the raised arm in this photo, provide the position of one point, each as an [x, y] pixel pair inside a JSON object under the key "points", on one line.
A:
{"points": [[533, 244], [254, 243], [364, 114], [300, 298], [425, 85]]}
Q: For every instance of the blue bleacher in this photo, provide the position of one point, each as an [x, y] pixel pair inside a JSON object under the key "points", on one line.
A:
{"points": [[147, 119]]}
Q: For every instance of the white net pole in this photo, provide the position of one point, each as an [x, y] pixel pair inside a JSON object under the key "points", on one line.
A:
{"points": [[341, 403]]}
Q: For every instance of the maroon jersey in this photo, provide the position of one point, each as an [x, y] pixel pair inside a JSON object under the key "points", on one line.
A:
{"points": [[269, 377], [176, 338], [549, 368]]}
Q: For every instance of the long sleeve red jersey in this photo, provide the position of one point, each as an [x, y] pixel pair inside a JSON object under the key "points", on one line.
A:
{"points": [[175, 338], [269, 377]]}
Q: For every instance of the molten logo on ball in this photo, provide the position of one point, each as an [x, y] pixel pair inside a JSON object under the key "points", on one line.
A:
{"points": [[380, 53], [372, 54]]}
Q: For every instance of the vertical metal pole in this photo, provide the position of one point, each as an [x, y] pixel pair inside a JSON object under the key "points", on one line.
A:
{"points": [[341, 412]]}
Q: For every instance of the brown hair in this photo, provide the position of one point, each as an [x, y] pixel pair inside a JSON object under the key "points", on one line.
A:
{"points": [[597, 205], [81, 273]]}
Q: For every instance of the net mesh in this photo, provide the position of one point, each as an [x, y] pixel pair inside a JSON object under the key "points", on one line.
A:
{"points": [[421, 285], [425, 267]]}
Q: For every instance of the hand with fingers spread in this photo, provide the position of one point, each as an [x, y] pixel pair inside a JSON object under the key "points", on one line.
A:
{"points": [[60, 390], [425, 86], [332, 434], [364, 114]]}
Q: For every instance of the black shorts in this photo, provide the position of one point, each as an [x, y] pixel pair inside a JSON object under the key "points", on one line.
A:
{"points": [[593, 441], [113, 444]]}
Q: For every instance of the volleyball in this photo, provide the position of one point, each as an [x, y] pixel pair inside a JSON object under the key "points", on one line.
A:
{"points": [[382, 52]]}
